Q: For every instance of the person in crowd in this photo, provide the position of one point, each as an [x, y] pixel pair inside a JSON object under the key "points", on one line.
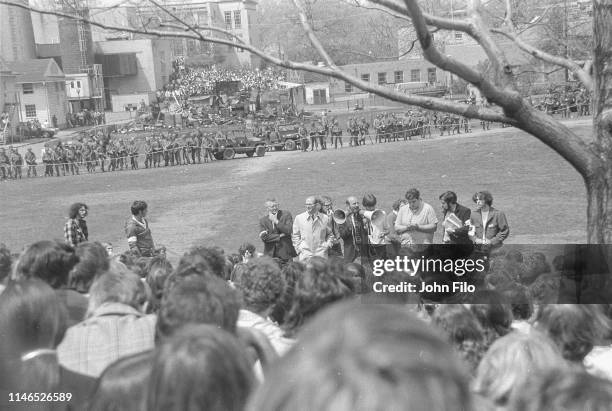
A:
{"points": [[201, 367], [354, 233], [311, 234], [317, 287], [416, 223], [116, 324], [6, 263], [246, 253], [275, 229], [573, 328], [376, 224], [30, 159], [261, 286], [52, 261], [197, 298], [33, 322], [464, 332], [456, 218], [510, 361], [328, 210], [93, 261], [567, 390], [357, 356], [75, 229], [394, 239], [206, 259], [494, 314], [123, 385], [138, 233], [488, 225], [291, 272], [157, 270]]}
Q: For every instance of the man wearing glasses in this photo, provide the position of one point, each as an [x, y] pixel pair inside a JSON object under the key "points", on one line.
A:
{"points": [[275, 230], [312, 235]]}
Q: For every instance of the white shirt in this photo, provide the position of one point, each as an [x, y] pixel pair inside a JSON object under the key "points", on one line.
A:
{"points": [[485, 217], [424, 215]]}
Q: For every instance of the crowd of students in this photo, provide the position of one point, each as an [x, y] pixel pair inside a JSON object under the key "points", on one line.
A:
{"points": [[221, 331], [188, 82]]}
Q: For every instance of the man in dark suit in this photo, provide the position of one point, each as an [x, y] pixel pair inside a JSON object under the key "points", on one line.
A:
{"points": [[354, 233], [275, 230], [459, 235]]}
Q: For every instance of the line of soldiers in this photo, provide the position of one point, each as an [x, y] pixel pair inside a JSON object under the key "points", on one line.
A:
{"points": [[11, 163], [173, 151]]}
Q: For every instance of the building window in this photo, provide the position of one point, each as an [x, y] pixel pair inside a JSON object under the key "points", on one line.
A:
{"points": [[415, 75], [30, 110], [78, 84], [399, 76], [382, 78], [431, 75], [348, 87], [458, 35], [28, 88], [72, 84], [365, 77], [228, 19], [237, 22]]}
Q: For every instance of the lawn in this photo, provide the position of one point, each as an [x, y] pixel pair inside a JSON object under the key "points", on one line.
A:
{"points": [[220, 203]]}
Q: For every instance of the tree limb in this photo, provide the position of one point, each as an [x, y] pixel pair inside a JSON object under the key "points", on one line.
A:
{"points": [[440, 22], [313, 38], [584, 77]]}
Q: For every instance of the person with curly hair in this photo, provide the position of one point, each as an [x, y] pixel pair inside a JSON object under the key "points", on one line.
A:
{"points": [[262, 285]]}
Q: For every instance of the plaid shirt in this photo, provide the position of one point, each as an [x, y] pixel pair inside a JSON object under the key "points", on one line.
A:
{"points": [[75, 231], [113, 331]]}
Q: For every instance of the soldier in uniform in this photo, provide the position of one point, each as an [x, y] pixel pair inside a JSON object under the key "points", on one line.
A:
{"points": [[133, 153], [71, 160], [314, 137], [336, 133], [364, 128], [111, 152], [177, 149], [30, 159], [60, 160], [377, 129], [303, 133], [321, 134], [148, 154], [4, 164], [101, 155], [47, 159], [16, 163]]}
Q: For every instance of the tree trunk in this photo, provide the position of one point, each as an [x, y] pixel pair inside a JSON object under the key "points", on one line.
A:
{"points": [[599, 190]]}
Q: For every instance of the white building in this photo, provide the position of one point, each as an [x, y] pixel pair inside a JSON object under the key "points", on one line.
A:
{"points": [[41, 90]]}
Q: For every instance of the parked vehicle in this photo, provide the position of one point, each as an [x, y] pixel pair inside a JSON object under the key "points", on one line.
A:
{"points": [[227, 145]]}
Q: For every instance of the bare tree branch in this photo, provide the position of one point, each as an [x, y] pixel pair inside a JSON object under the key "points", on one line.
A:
{"points": [[584, 77], [313, 38], [440, 22]]}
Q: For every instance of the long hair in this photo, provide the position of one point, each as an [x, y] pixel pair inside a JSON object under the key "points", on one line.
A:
{"points": [[93, 260], [122, 386], [73, 211], [31, 318], [201, 367]]}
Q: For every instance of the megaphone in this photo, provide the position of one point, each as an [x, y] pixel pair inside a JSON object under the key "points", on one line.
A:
{"points": [[339, 216]]}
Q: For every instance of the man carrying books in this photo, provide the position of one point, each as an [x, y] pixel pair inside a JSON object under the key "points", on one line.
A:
{"points": [[455, 218]]}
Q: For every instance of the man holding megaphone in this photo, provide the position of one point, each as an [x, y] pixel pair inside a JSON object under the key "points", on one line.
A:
{"points": [[376, 225]]}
